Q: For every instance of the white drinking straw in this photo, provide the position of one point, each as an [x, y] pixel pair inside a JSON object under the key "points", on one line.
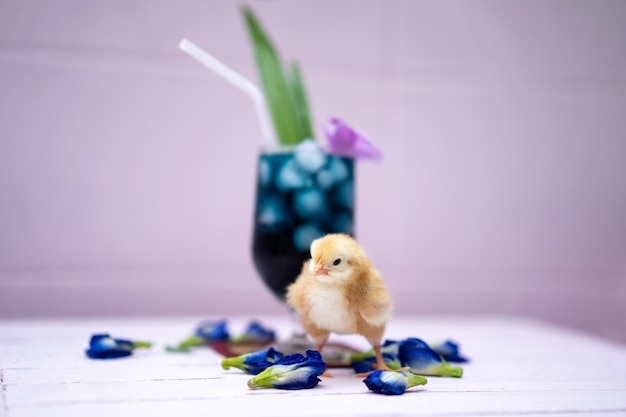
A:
{"points": [[238, 81]]}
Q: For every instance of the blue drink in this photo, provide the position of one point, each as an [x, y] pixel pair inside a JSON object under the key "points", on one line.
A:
{"points": [[302, 194]]}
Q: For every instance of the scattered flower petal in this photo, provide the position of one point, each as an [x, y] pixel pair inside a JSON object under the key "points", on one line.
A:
{"points": [[369, 363], [205, 333], [411, 353], [422, 360], [255, 333], [213, 330], [366, 361], [103, 346], [293, 372], [389, 347], [392, 382], [186, 345], [449, 350], [346, 141], [255, 362]]}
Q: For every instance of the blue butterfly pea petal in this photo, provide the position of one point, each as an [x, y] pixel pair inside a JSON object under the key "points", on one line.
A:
{"points": [[369, 363], [449, 350], [255, 332], [293, 372], [392, 382], [423, 360], [254, 362], [259, 361], [213, 330], [416, 354], [103, 346]]}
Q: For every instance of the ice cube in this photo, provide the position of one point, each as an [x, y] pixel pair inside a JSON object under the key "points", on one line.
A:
{"points": [[309, 155], [343, 195], [335, 172], [291, 176], [272, 213], [325, 179], [310, 203], [305, 234]]}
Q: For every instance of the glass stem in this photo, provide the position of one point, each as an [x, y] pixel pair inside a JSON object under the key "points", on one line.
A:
{"points": [[297, 331], [298, 342]]}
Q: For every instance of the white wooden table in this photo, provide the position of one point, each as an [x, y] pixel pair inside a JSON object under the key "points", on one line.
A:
{"points": [[518, 367]]}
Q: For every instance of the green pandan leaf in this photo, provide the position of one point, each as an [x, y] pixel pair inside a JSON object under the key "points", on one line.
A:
{"points": [[283, 95], [279, 100], [300, 102]]}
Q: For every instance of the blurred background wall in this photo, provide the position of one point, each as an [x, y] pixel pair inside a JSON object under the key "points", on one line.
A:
{"points": [[127, 169]]}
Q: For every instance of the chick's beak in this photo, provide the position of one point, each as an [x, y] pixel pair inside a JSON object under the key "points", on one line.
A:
{"points": [[319, 269]]}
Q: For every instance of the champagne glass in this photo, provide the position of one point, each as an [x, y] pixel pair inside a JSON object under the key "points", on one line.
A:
{"points": [[302, 194]]}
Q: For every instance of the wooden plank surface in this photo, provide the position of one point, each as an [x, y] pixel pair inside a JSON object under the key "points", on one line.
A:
{"points": [[518, 367]]}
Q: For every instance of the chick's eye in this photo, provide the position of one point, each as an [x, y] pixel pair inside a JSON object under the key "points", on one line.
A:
{"points": [[336, 261]]}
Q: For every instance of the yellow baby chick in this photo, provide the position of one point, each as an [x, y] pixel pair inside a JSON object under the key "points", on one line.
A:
{"points": [[340, 291]]}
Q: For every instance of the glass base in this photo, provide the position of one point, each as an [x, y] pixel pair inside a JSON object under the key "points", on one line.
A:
{"points": [[336, 355], [297, 343]]}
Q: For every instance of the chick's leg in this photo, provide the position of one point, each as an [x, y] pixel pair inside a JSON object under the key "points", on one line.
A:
{"points": [[375, 336], [319, 343], [380, 362], [319, 336]]}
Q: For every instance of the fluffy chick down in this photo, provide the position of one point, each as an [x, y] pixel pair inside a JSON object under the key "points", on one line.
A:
{"points": [[340, 291]]}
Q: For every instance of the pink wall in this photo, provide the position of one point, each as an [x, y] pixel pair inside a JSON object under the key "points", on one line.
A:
{"points": [[126, 169]]}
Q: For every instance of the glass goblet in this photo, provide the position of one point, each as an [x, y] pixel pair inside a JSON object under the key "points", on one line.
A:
{"points": [[302, 193]]}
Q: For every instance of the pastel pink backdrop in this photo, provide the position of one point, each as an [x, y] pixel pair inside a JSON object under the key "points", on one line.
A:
{"points": [[127, 169]]}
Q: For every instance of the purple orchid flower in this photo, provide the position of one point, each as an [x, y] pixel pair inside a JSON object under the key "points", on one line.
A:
{"points": [[346, 141]]}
